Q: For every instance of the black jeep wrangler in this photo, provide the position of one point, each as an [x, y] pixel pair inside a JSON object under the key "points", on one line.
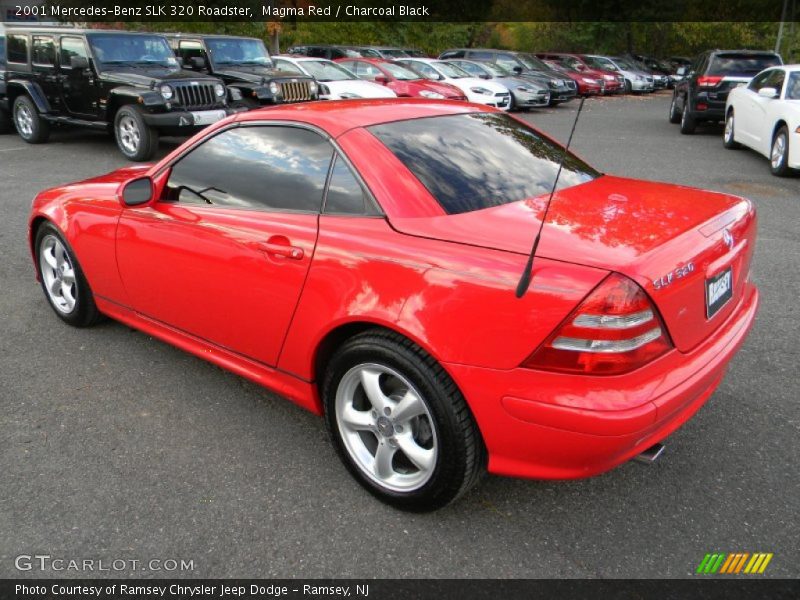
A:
{"points": [[246, 68], [130, 84]]}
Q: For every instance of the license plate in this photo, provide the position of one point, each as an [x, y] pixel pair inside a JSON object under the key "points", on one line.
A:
{"points": [[207, 117], [719, 289]]}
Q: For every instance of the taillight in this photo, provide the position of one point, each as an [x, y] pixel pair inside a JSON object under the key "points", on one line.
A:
{"points": [[614, 330], [708, 80]]}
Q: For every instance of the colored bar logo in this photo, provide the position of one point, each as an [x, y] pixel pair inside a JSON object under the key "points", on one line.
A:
{"points": [[734, 563]]}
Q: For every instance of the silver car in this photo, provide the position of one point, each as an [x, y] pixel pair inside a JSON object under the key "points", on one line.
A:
{"points": [[635, 79], [524, 92]]}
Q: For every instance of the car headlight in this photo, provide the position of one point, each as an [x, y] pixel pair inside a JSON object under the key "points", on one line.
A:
{"points": [[609, 77], [639, 77], [274, 89], [525, 90], [324, 89], [554, 83], [348, 96], [219, 90], [166, 92], [481, 90], [312, 87], [588, 80], [432, 95]]}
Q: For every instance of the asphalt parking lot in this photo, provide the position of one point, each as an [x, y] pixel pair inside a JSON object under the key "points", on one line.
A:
{"points": [[116, 446]]}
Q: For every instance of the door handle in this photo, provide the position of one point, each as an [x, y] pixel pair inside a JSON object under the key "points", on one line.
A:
{"points": [[282, 249]]}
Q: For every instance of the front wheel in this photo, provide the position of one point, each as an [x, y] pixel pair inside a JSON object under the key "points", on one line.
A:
{"points": [[399, 423], [135, 138], [728, 139], [779, 155], [628, 87], [30, 125], [62, 279]]}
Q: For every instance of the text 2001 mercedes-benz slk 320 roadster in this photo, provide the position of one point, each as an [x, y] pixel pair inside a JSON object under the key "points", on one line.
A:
{"points": [[361, 259]]}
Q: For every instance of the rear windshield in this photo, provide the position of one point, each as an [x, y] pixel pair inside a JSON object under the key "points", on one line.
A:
{"points": [[476, 161], [741, 64]]}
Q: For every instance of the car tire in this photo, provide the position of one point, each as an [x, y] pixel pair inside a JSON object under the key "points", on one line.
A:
{"points": [[62, 279], [30, 125], [688, 122], [628, 87], [136, 140], [674, 115], [426, 460], [728, 139], [779, 153]]}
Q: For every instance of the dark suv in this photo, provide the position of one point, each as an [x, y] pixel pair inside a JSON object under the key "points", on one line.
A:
{"points": [[246, 68], [701, 94], [128, 83], [561, 87]]}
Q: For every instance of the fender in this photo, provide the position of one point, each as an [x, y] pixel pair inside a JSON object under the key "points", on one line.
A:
{"points": [[34, 91], [130, 94]]}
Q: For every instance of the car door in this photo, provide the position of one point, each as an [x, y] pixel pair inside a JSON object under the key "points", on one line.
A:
{"points": [[224, 251], [766, 109], [78, 91], [748, 112], [43, 65]]}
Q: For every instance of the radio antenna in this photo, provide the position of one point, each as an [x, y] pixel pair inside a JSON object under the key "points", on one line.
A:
{"points": [[525, 280]]}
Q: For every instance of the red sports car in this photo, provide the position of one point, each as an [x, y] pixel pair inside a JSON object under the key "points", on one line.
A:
{"points": [[402, 81], [361, 258]]}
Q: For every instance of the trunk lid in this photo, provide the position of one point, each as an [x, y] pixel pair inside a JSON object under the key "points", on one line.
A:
{"points": [[670, 239]]}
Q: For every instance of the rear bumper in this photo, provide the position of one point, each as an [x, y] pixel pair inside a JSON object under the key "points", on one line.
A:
{"points": [[553, 426]]}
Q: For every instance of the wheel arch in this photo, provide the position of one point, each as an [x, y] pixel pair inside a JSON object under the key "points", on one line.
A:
{"points": [[778, 124], [17, 87]]}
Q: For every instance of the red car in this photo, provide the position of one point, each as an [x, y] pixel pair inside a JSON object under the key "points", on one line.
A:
{"points": [[614, 82], [361, 258], [587, 85], [402, 81]]}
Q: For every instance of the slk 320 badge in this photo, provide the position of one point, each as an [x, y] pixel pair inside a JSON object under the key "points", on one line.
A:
{"points": [[678, 273]]}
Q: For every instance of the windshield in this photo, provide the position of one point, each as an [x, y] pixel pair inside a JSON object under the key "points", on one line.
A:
{"points": [[793, 86], [496, 70], [139, 50], [532, 62], [399, 72], [624, 64], [232, 51], [741, 64], [322, 70], [451, 71], [476, 161], [601, 63]]}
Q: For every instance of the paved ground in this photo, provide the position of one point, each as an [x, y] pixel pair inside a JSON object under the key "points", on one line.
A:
{"points": [[116, 446]]}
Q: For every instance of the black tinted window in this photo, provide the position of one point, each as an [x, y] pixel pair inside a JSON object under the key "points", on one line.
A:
{"points": [[276, 168], [2, 49], [345, 194], [475, 161], [44, 51], [18, 49], [741, 64]]}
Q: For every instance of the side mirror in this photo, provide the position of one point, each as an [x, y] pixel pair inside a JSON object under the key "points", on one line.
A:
{"points": [[137, 192], [198, 63], [681, 71], [768, 92], [79, 62], [179, 60], [382, 79], [485, 76], [517, 70]]}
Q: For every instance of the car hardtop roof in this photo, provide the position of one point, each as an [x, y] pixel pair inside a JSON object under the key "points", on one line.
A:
{"points": [[338, 116]]}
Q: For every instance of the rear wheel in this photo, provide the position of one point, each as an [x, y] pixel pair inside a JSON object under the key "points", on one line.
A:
{"points": [[674, 115], [62, 279], [29, 123], [779, 155], [628, 87], [688, 122], [135, 138], [399, 423], [728, 139]]}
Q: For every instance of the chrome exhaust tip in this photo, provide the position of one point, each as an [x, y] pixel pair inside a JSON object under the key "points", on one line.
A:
{"points": [[650, 455]]}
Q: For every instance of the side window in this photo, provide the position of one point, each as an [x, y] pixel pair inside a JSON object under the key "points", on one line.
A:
{"points": [[345, 194], [573, 62], [43, 51], [775, 79], [352, 65], [188, 49], [481, 56], [262, 167], [368, 71], [71, 46], [507, 60], [760, 80], [18, 49]]}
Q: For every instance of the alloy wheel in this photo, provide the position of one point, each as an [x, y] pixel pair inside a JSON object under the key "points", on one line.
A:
{"points": [[129, 134], [777, 155], [24, 120], [387, 427], [58, 274], [729, 128]]}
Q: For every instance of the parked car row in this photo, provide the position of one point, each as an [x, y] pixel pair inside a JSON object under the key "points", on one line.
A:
{"points": [[754, 93]]}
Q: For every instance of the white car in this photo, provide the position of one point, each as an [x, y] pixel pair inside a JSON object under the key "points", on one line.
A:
{"points": [[476, 90], [765, 115], [335, 82]]}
